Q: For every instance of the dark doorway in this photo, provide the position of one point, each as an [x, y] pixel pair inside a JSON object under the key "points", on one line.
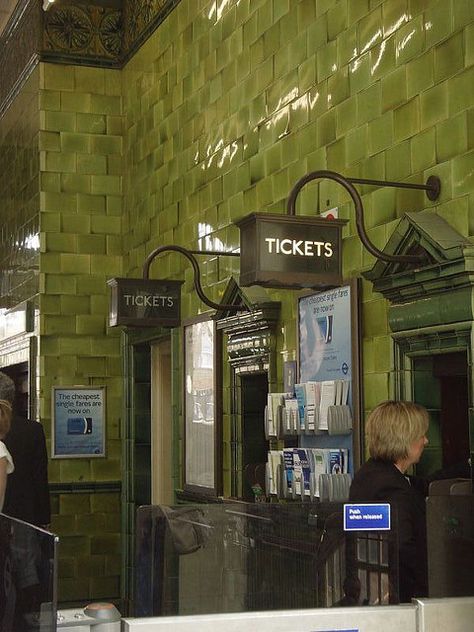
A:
{"points": [[441, 384], [254, 390], [19, 374]]}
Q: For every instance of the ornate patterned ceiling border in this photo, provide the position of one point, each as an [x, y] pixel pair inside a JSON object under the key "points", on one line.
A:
{"points": [[140, 19], [94, 35], [19, 46], [84, 34], [74, 33]]}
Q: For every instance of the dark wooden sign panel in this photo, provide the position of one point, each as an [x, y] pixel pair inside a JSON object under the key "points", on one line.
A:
{"points": [[145, 302], [281, 251]]}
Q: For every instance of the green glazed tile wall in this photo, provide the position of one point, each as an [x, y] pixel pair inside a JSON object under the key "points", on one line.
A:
{"points": [[19, 197], [219, 113], [228, 104], [80, 146]]}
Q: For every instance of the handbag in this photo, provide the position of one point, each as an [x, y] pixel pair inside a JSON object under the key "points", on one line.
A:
{"points": [[188, 527]]}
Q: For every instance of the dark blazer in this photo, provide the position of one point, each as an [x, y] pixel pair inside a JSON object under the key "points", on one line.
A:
{"points": [[27, 493], [381, 481]]}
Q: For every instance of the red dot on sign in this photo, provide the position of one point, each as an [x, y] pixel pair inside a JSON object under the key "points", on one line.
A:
{"points": [[329, 216]]}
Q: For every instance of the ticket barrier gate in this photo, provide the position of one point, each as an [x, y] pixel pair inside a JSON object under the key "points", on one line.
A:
{"points": [[422, 615]]}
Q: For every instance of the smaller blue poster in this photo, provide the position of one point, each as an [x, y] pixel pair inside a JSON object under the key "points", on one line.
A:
{"points": [[78, 422], [367, 517]]}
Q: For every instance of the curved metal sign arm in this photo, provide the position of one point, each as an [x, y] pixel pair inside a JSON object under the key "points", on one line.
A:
{"points": [[432, 187], [197, 276]]}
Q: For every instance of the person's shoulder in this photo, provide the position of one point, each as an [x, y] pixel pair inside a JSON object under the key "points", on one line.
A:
{"points": [[24, 425]]}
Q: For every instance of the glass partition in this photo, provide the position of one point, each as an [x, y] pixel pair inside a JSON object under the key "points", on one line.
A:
{"points": [[28, 560], [450, 530], [240, 557]]}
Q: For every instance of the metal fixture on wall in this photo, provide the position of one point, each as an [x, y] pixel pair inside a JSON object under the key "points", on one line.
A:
{"points": [[432, 188], [189, 254]]}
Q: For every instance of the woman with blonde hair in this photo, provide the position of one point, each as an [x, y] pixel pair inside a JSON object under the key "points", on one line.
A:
{"points": [[6, 462], [396, 437]]}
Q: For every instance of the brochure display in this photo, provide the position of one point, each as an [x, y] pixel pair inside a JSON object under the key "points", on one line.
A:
{"points": [[322, 410]]}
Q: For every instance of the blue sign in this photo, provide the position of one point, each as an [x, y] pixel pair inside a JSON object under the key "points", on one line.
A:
{"points": [[78, 422], [368, 517]]}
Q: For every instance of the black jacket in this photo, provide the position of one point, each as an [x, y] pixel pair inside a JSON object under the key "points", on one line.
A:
{"points": [[381, 481], [27, 493]]}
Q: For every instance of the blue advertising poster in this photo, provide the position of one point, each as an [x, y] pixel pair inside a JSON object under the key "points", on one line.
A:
{"points": [[367, 517], [325, 335], [78, 422], [325, 352]]}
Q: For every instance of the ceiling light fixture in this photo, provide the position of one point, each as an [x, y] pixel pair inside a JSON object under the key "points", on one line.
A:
{"points": [[47, 4]]}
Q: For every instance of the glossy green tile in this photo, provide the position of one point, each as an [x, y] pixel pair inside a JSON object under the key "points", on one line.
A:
{"points": [[90, 204], [91, 123], [394, 89], [383, 58], [449, 57], [272, 40], [61, 242], [420, 74], [356, 10], [423, 150], [336, 155], [306, 13], [470, 128], [337, 20], [398, 161], [280, 9], [50, 222], [106, 144], [338, 87], [360, 73], [57, 77], [250, 32], [265, 15], [50, 100], [418, 6], [73, 223], [75, 142], [326, 126], [317, 35], [409, 40], [347, 46], [91, 164], [438, 21], [346, 116], [307, 74], [469, 42], [75, 264], [406, 119], [60, 121], [460, 91], [451, 137], [434, 105], [380, 133], [75, 183], [87, 79], [356, 144], [394, 15], [327, 60], [463, 174], [369, 104], [75, 102], [369, 30], [463, 13]]}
